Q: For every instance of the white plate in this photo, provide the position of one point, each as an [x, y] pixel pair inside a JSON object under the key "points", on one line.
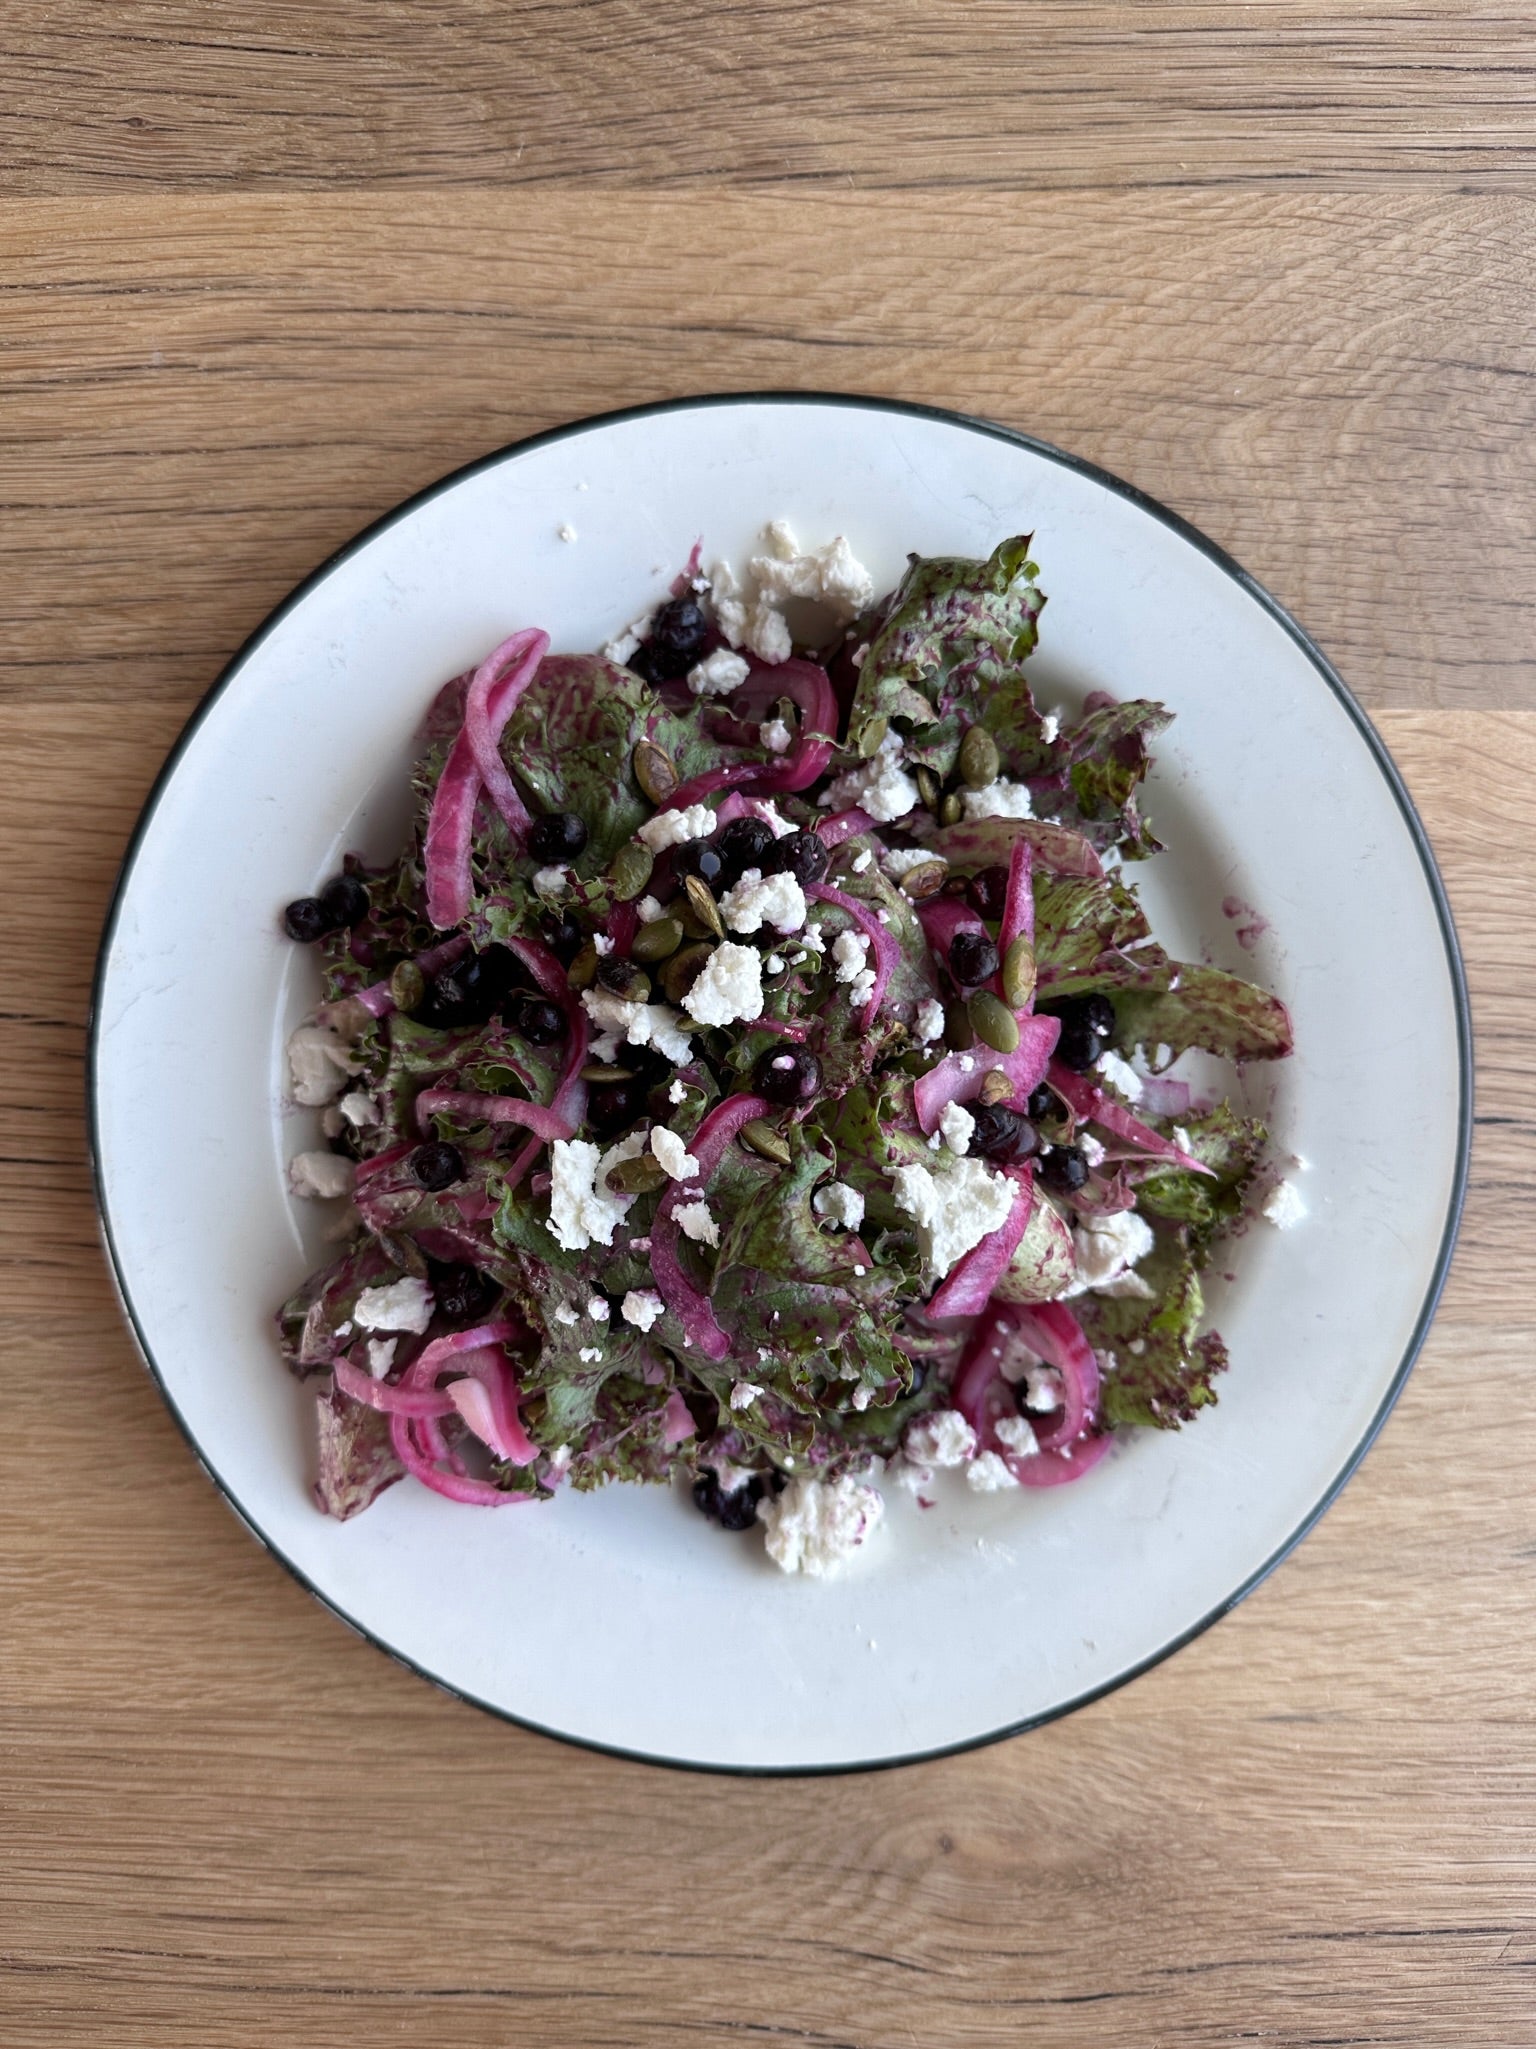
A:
{"points": [[622, 1619]]}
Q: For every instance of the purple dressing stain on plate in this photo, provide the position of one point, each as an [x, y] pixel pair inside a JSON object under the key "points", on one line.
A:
{"points": [[1252, 926]]}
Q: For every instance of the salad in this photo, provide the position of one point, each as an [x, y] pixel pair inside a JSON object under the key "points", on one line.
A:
{"points": [[757, 1069]]}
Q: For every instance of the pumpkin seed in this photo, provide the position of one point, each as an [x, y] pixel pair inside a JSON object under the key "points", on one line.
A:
{"points": [[631, 870], [993, 1022], [642, 1175], [926, 881], [407, 985], [703, 905], [655, 771], [996, 1086], [979, 759], [871, 735], [683, 970], [951, 810], [655, 941], [583, 969], [1019, 973], [761, 1138], [596, 1071], [957, 1027], [927, 785]]}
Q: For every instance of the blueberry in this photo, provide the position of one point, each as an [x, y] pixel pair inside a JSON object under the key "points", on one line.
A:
{"points": [[465, 994], [736, 1510], [788, 1075], [614, 1106], [801, 854], [1093, 1013], [558, 836], [972, 959], [564, 937], [306, 919], [987, 892], [1063, 1169], [701, 858], [436, 1166], [1079, 1046], [1001, 1133], [463, 1294], [346, 899], [1042, 1102], [617, 975], [541, 1022], [744, 844], [677, 639]]}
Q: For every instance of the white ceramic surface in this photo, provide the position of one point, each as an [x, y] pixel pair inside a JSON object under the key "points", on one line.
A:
{"points": [[622, 1619]]}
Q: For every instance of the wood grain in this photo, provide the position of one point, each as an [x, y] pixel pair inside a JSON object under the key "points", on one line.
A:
{"points": [[224, 1818]]}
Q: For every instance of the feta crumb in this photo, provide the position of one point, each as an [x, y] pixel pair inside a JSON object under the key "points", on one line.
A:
{"points": [[967, 1064], [1283, 1206], [566, 531], [880, 786], [321, 1176], [902, 860], [862, 987], [649, 909], [1107, 1247], [405, 1304], [775, 736], [1042, 1389], [552, 881], [758, 900], [319, 1060], [862, 861], [942, 1439], [565, 1314], [677, 1091], [358, 1109], [1017, 1435], [583, 1210], [623, 645], [730, 988], [840, 1205], [769, 812], [673, 1155], [642, 1307], [929, 1022], [597, 1309], [1181, 1138], [745, 1393], [676, 828], [1090, 1149], [953, 1209], [815, 1525], [1121, 1075], [851, 952], [748, 610], [912, 1477], [1050, 726], [987, 1474], [602, 944], [956, 1124], [589, 1355], [774, 964], [381, 1355], [1000, 799], [695, 1221], [862, 1397], [718, 674], [639, 1024]]}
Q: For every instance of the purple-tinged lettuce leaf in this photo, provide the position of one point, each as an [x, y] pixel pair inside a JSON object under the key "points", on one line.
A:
{"points": [[1091, 933], [1107, 760], [1218, 1012], [309, 1320], [1164, 1382], [1232, 1147], [989, 843], [1044, 1264], [357, 1461]]}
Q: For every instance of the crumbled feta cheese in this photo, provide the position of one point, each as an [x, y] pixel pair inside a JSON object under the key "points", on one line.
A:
{"points": [[1107, 1247], [880, 786], [862, 987], [676, 828], [913, 1478], [552, 881], [814, 1525], [639, 1024], [929, 1022], [814, 938], [956, 1124], [405, 1304], [1283, 1206], [358, 1109], [677, 1091], [601, 944], [1050, 726], [851, 952], [942, 1439], [649, 909], [862, 1397], [902, 860], [861, 861], [748, 610], [1042, 1389], [589, 1355], [730, 988], [583, 1210], [758, 900], [745, 1393], [695, 1221], [597, 1309], [987, 1474], [1000, 799], [718, 674], [322, 1176], [1016, 1435], [622, 646], [774, 964], [319, 1061], [565, 1314], [673, 1154], [1121, 1075], [642, 1307], [1090, 1148], [840, 1205], [955, 1208], [381, 1356], [1181, 1138], [566, 531], [776, 736]]}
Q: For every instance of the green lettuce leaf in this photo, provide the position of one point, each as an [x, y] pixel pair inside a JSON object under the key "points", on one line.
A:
{"points": [[1091, 933], [1232, 1146], [1164, 1382]]}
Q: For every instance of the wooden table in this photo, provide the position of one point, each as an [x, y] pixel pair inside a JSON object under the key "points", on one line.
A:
{"points": [[266, 270]]}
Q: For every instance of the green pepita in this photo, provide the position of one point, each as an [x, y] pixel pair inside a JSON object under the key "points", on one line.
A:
{"points": [[655, 771], [1019, 973], [996, 1086], [631, 870], [951, 810], [407, 986], [596, 1071], [761, 1138], [703, 905], [583, 969], [927, 785], [926, 881], [979, 759], [642, 1175], [653, 942], [683, 970], [871, 735], [993, 1022]]}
